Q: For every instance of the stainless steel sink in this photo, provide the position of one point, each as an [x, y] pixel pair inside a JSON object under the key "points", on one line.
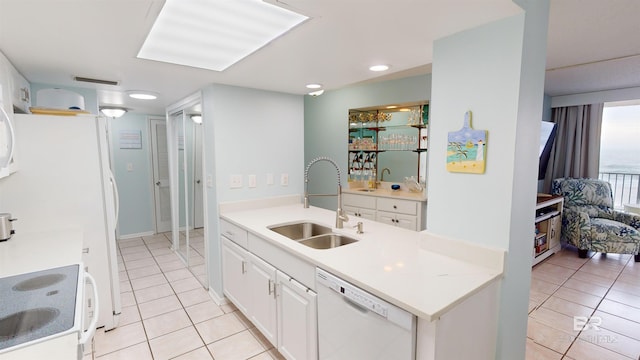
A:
{"points": [[302, 230], [327, 241], [312, 235]]}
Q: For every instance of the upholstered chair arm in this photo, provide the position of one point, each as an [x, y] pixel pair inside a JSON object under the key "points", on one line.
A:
{"points": [[575, 228], [630, 219]]}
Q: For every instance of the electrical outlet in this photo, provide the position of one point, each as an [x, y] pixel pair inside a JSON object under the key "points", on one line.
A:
{"points": [[284, 179], [235, 181], [269, 179], [252, 181], [209, 181], [129, 167]]}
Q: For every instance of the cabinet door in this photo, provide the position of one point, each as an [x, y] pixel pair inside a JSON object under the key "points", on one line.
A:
{"points": [[407, 222], [262, 288], [351, 211], [234, 274], [386, 217], [297, 319], [555, 226]]}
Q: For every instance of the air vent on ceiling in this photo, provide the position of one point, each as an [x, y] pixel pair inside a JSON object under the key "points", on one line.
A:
{"points": [[95, 81]]}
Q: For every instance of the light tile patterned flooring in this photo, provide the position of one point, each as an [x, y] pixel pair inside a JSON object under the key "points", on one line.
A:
{"points": [[166, 313], [602, 288]]}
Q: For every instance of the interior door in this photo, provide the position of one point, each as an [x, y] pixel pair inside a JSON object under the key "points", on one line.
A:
{"points": [[160, 163]]}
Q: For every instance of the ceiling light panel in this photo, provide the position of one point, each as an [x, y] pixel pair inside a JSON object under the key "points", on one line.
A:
{"points": [[214, 34]]}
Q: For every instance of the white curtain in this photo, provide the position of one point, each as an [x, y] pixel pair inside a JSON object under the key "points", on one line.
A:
{"points": [[576, 150]]}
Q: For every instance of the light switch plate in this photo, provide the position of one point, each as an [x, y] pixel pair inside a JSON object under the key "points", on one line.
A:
{"points": [[235, 182], [209, 181], [253, 181], [129, 167], [284, 179]]}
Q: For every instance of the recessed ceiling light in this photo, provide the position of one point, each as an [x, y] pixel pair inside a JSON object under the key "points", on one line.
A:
{"points": [[314, 86], [142, 95], [380, 67], [214, 34]]}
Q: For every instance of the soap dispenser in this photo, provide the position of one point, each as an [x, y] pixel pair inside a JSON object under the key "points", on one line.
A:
{"points": [[6, 228]]}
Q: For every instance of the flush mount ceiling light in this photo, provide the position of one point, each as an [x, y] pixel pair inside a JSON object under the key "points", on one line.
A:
{"points": [[214, 34], [316, 93], [197, 118], [113, 111], [142, 95], [314, 86], [380, 67]]}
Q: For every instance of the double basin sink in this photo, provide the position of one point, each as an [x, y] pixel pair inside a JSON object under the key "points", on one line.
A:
{"points": [[312, 235]]}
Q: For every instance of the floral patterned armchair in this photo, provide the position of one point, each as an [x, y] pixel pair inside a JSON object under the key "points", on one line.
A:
{"points": [[589, 221]]}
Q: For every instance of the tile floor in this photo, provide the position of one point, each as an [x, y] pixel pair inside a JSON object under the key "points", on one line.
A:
{"points": [[602, 291], [166, 313]]}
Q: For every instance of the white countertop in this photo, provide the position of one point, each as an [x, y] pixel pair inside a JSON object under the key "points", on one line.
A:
{"points": [[422, 273], [27, 252]]}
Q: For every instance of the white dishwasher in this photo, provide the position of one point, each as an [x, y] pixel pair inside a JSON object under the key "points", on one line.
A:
{"points": [[353, 324]]}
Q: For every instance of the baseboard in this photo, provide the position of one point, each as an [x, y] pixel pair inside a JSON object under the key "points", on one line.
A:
{"points": [[131, 236], [217, 299]]}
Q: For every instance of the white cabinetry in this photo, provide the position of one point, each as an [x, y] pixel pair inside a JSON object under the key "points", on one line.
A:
{"points": [[548, 226], [235, 263], [282, 308], [262, 287], [408, 214], [360, 206], [297, 319]]}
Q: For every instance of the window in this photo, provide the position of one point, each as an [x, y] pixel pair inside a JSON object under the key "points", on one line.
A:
{"points": [[620, 150]]}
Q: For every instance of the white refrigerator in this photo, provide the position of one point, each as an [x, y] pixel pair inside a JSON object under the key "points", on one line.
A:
{"points": [[64, 181]]}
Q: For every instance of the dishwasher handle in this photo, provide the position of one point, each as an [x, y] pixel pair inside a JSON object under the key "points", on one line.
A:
{"points": [[91, 330]]}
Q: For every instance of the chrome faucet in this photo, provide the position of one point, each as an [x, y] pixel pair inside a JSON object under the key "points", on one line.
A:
{"points": [[382, 173], [341, 216]]}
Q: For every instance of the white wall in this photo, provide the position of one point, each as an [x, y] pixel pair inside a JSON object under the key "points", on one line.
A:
{"points": [[248, 131], [497, 72]]}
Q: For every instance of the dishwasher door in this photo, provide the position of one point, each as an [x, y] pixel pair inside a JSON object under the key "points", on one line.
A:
{"points": [[353, 324]]}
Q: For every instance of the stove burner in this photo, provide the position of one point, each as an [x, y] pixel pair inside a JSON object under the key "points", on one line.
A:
{"points": [[25, 322], [38, 282]]}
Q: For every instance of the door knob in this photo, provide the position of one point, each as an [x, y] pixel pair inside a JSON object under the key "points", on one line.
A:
{"points": [[158, 183], [197, 181]]}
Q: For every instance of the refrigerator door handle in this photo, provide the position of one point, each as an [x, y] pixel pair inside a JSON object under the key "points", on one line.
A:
{"points": [[116, 195]]}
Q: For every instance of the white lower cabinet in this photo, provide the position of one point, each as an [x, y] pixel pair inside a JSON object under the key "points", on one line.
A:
{"points": [[297, 319], [262, 286], [283, 309], [400, 220], [235, 263], [360, 212]]}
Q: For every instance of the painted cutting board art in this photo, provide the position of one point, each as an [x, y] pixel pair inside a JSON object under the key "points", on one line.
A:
{"points": [[467, 149]]}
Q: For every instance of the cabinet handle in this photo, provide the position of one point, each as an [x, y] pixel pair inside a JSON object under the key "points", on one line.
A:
{"points": [[395, 207], [269, 284], [229, 234], [244, 270]]}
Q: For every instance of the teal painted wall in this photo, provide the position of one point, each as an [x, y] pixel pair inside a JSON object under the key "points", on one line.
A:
{"points": [[326, 127], [134, 187], [248, 131]]}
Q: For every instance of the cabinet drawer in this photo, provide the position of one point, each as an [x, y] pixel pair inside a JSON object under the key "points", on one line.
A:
{"points": [[359, 201], [234, 233], [398, 206]]}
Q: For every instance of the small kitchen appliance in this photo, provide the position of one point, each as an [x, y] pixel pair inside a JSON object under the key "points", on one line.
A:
{"points": [[6, 228]]}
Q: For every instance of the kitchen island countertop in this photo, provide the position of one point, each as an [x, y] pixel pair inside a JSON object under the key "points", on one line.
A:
{"points": [[420, 272]]}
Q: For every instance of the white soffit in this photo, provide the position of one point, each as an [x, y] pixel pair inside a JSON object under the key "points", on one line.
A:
{"points": [[214, 34]]}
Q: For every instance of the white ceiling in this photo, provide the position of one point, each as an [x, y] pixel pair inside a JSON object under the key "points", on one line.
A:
{"points": [[51, 41]]}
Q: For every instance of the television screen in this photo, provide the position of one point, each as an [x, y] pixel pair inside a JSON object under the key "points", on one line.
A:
{"points": [[547, 136]]}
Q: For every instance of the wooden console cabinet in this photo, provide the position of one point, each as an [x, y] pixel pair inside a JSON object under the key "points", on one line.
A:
{"points": [[548, 225]]}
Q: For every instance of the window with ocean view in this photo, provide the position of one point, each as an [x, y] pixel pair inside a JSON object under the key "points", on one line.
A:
{"points": [[620, 151]]}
